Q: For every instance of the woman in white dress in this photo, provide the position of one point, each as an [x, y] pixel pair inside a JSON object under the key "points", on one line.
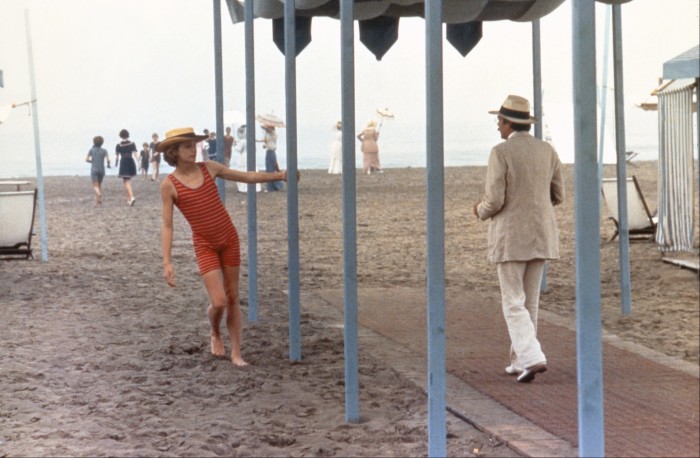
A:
{"points": [[336, 166], [242, 149]]}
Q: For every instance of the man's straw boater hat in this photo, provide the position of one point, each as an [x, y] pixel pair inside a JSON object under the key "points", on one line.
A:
{"points": [[515, 109], [179, 135]]}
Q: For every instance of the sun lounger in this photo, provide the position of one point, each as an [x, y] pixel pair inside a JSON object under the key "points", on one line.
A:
{"points": [[16, 224], [640, 222]]}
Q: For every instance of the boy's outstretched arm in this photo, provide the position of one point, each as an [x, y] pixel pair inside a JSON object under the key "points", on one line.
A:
{"points": [[216, 169], [167, 193]]}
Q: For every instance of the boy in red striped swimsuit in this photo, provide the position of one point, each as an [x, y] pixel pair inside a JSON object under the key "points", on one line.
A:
{"points": [[191, 188]]}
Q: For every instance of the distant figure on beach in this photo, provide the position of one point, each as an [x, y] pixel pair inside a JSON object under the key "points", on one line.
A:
{"points": [[155, 158], [271, 165], [202, 147], [229, 141], [126, 151], [242, 147], [144, 159], [523, 184], [96, 156], [336, 166], [192, 189], [211, 148], [370, 149]]}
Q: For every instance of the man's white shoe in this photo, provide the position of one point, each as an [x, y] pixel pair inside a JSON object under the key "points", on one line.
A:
{"points": [[528, 374], [513, 370]]}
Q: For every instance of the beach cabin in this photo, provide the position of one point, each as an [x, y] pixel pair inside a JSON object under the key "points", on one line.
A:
{"points": [[676, 181]]}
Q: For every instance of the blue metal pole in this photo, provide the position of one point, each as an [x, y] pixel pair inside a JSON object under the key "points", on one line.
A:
{"points": [[603, 91], [292, 187], [37, 140], [219, 90], [537, 99], [435, 200], [250, 161], [587, 230], [625, 282], [347, 74]]}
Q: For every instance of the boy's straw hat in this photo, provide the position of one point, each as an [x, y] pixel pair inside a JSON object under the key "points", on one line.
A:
{"points": [[179, 135], [515, 109]]}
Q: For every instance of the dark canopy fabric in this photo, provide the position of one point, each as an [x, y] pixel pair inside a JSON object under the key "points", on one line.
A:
{"points": [[379, 19]]}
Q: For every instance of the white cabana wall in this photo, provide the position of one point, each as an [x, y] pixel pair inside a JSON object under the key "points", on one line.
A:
{"points": [[676, 209]]}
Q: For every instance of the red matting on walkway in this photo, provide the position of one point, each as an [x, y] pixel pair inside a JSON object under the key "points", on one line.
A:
{"points": [[650, 409]]}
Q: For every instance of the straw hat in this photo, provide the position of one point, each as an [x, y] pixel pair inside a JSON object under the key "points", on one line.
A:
{"points": [[371, 124], [515, 109], [179, 135]]}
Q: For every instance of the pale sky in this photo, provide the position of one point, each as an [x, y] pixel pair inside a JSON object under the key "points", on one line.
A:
{"points": [[148, 65]]}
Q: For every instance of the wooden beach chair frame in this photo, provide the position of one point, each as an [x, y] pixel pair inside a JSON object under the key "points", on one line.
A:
{"points": [[641, 222], [17, 210]]}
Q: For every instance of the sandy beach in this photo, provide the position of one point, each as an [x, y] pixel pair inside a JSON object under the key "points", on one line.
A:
{"points": [[101, 358]]}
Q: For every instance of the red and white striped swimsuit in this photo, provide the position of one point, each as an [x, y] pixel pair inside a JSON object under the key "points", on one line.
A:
{"points": [[213, 233]]}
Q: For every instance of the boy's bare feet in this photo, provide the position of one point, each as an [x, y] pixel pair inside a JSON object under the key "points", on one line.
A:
{"points": [[238, 361], [217, 346]]}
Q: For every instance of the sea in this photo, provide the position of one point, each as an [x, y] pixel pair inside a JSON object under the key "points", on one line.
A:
{"points": [[63, 153]]}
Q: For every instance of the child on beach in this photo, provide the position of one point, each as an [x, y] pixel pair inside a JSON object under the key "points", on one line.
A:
{"points": [[155, 157], [126, 150], [191, 188], [144, 157], [96, 156]]}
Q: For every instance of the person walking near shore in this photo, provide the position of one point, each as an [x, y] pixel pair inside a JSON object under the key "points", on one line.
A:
{"points": [[229, 142], [523, 184], [191, 188], [126, 150], [271, 165], [96, 156], [336, 166], [144, 160], [155, 158], [370, 149]]}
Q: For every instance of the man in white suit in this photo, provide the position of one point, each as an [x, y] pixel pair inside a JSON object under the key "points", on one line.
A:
{"points": [[523, 184]]}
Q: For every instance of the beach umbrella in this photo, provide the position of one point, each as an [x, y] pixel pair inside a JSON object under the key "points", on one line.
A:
{"points": [[384, 113], [234, 117], [270, 120]]}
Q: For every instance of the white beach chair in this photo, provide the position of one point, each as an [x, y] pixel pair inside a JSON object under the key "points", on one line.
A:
{"points": [[17, 223], [640, 222]]}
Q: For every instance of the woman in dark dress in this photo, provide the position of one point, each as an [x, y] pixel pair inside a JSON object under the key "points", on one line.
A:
{"points": [[126, 150]]}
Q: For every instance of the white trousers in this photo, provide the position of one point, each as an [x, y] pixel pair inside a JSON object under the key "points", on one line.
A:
{"points": [[520, 297]]}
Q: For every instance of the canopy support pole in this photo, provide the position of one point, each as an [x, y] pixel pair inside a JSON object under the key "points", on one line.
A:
{"points": [[624, 239], [250, 161], [347, 74], [591, 429], [219, 91], [37, 141], [537, 100], [435, 201], [292, 185]]}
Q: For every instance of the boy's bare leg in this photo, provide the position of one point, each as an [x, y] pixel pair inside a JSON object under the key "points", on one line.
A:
{"points": [[217, 345], [233, 314], [213, 282]]}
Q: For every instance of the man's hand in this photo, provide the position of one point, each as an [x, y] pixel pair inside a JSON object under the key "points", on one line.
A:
{"points": [[475, 209]]}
